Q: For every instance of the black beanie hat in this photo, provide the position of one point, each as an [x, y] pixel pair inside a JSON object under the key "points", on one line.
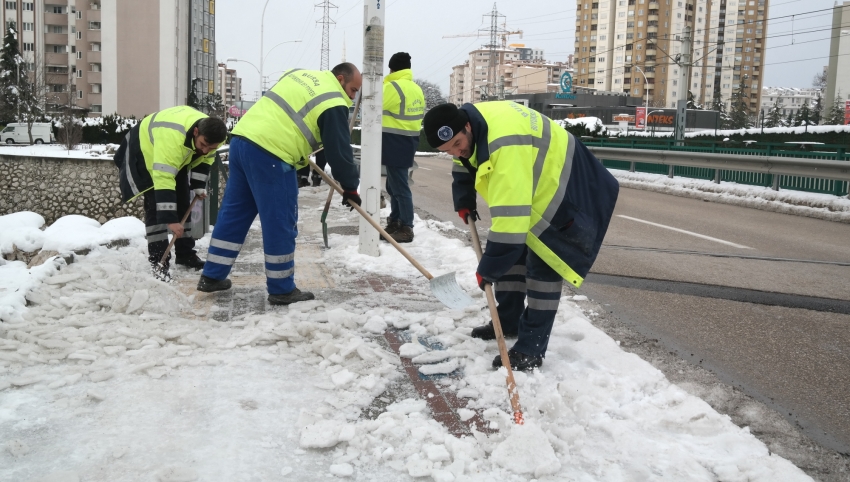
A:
{"points": [[442, 123], [400, 61]]}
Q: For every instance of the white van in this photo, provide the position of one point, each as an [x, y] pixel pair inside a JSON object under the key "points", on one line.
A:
{"points": [[42, 133]]}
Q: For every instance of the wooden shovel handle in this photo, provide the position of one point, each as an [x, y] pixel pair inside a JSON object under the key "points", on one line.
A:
{"points": [[497, 327], [174, 238], [371, 221]]}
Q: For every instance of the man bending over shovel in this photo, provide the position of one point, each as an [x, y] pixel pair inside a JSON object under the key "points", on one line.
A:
{"points": [[305, 109], [550, 201]]}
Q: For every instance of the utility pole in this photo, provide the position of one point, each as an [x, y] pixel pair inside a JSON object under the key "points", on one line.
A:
{"points": [[371, 110], [326, 22], [494, 32], [684, 64]]}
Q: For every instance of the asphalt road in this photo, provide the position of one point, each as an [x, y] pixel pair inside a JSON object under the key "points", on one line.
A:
{"points": [[761, 299]]}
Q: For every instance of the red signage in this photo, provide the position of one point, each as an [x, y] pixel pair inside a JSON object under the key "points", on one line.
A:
{"points": [[847, 112], [640, 117], [235, 111]]}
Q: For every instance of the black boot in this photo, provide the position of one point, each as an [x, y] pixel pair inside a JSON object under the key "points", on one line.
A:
{"points": [[487, 332], [404, 234], [392, 226], [190, 261], [209, 285], [294, 296], [519, 361]]}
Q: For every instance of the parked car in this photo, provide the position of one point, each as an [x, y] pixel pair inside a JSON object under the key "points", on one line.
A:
{"points": [[42, 133]]}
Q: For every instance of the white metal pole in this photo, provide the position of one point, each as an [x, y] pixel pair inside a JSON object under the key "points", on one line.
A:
{"points": [[262, 19], [371, 109]]}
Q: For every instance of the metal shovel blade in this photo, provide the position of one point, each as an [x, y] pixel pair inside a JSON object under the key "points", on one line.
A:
{"points": [[446, 289]]}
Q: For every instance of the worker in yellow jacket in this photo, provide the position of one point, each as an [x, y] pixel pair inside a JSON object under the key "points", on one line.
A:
{"points": [[404, 108], [162, 158], [550, 201], [304, 110]]}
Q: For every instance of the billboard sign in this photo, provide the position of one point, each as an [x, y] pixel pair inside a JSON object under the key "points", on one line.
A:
{"points": [[847, 112], [566, 85], [640, 117]]}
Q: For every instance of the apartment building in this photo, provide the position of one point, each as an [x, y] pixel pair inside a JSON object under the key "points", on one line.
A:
{"points": [[117, 56], [632, 46], [792, 99], [838, 72], [230, 85], [513, 74]]}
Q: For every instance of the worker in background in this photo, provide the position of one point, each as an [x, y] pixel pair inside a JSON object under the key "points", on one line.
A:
{"points": [[162, 158], [550, 201], [404, 108], [304, 110]]}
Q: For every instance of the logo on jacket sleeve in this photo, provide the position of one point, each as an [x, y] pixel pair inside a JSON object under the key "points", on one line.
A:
{"points": [[445, 133]]}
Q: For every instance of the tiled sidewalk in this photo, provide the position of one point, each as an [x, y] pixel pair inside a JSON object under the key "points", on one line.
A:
{"points": [[248, 296]]}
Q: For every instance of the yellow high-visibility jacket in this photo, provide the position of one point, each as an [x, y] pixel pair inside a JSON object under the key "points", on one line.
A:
{"points": [[544, 188]]}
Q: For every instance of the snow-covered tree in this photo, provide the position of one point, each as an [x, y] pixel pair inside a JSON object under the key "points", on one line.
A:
{"points": [[774, 115], [817, 109], [789, 121], [692, 102], [433, 94], [819, 81], [835, 116], [12, 73], [718, 105], [739, 112], [804, 116]]}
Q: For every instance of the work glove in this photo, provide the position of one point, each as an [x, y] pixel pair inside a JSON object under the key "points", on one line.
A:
{"points": [[464, 214], [349, 197], [481, 281], [201, 192]]}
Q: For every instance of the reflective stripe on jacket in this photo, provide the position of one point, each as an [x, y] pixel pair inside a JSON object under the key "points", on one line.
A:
{"points": [[162, 138], [284, 121], [543, 187], [404, 104]]}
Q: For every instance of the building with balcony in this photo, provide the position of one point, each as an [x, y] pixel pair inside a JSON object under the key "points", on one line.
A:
{"points": [[791, 99], [630, 45], [469, 82], [118, 56], [230, 85]]}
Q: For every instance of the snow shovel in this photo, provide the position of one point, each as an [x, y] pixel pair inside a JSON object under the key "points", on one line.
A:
{"points": [[160, 271], [497, 327], [331, 190], [444, 287]]}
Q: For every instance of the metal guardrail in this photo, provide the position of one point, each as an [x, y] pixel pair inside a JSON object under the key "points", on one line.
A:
{"points": [[796, 173]]}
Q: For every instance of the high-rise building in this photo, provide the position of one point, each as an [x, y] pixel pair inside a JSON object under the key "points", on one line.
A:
{"points": [[838, 72], [230, 85], [469, 82], [120, 56], [636, 46]]}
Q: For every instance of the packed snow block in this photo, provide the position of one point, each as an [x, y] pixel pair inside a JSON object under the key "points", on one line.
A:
{"points": [[323, 434], [140, 297], [17, 448], [527, 451], [61, 476]]}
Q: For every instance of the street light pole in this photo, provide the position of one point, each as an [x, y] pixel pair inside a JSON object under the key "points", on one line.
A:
{"points": [[645, 124], [260, 70], [263, 60], [255, 68]]}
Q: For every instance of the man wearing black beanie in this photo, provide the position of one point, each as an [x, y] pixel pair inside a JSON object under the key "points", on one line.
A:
{"points": [[404, 106], [550, 201]]}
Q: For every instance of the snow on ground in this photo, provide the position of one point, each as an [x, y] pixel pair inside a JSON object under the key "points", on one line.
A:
{"points": [[110, 375], [814, 205], [81, 151]]}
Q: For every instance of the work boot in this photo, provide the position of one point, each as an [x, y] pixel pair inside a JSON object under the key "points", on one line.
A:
{"points": [[294, 296], [303, 181], [190, 261], [392, 226], [404, 234], [317, 181], [209, 285], [487, 332], [519, 361]]}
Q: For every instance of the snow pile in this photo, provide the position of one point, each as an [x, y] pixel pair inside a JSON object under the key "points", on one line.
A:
{"points": [[592, 124], [744, 132], [66, 234], [814, 205], [81, 151], [109, 374]]}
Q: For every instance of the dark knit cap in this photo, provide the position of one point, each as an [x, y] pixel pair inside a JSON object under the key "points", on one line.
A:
{"points": [[400, 61], [442, 123]]}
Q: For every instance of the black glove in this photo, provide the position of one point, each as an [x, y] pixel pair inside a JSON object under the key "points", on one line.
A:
{"points": [[349, 197], [481, 281]]}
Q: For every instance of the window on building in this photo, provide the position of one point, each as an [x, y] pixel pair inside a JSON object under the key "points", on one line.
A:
{"points": [[27, 47], [94, 25], [79, 94], [28, 6], [11, 5], [79, 74]]}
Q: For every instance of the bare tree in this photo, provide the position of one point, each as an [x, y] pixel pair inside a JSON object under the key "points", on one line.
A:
{"points": [[819, 81], [433, 93], [71, 132], [33, 95]]}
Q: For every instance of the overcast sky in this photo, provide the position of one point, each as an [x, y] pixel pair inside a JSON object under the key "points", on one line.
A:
{"points": [[417, 27]]}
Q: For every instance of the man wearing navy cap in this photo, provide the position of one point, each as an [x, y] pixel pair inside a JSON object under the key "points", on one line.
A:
{"points": [[550, 202]]}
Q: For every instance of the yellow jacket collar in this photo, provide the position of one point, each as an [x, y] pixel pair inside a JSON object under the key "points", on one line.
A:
{"points": [[405, 74]]}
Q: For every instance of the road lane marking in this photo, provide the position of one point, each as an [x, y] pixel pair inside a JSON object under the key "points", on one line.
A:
{"points": [[425, 168], [727, 243]]}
